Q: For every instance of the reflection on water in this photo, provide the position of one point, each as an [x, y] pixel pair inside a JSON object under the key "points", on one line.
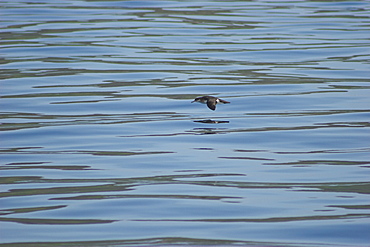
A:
{"points": [[210, 121], [102, 146]]}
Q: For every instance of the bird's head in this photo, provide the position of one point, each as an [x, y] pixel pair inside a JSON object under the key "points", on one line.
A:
{"points": [[196, 100]]}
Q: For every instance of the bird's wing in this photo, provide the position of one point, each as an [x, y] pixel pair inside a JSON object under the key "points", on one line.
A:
{"points": [[224, 101], [211, 104]]}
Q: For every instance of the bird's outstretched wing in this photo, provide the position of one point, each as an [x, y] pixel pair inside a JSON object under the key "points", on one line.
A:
{"points": [[223, 101]]}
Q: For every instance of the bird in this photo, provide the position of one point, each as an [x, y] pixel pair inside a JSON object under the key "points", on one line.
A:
{"points": [[210, 101]]}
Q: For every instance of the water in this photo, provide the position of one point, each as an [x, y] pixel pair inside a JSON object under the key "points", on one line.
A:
{"points": [[101, 145]]}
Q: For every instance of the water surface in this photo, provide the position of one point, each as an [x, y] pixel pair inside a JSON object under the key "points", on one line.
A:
{"points": [[101, 145]]}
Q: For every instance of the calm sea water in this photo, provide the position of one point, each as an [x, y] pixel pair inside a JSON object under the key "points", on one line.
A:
{"points": [[100, 144]]}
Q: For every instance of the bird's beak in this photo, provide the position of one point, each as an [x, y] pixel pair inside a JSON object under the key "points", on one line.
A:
{"points": [[193, 101]]}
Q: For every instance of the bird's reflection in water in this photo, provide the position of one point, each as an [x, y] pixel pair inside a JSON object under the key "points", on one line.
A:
{"points": [[204, 131], [210, 121]]}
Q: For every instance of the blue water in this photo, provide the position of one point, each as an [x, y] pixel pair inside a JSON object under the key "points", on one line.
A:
{"points": [[101, 145]]}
